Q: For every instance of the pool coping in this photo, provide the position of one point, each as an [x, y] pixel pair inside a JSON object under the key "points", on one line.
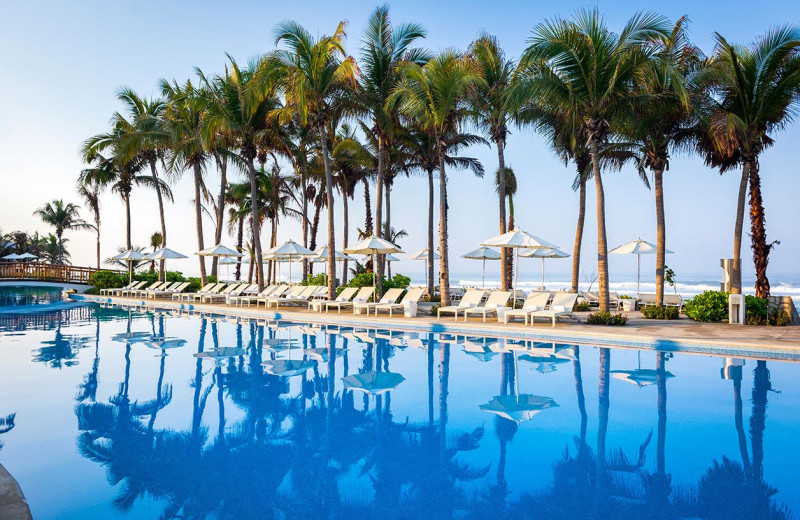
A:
{"points": [[593, 336], [13, 505]]}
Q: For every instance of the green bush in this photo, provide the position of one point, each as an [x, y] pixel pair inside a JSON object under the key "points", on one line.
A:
{"points": [[92, 290], [365, 280], [152, 276], [654, 312], [108, 279], [318, 279], [606, 318], [195, 283], [710, 307], [581, 307]]}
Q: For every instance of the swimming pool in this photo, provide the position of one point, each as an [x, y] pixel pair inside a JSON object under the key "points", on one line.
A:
{"points": [[24, 295], [122, 413]]}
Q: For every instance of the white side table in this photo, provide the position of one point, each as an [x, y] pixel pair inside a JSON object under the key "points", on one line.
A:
{"points": [[410, 309], [501, 313]]}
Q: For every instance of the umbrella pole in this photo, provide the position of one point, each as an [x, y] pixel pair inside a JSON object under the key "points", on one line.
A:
{"points": [[483, 283], [516, 277], [542, 273], [638, 272]]}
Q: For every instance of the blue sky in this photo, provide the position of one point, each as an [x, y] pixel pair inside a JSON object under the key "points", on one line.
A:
{"points": [[62, 63]]}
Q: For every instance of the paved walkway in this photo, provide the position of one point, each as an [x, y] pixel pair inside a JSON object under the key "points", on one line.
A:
{"points": [[681, 335]]}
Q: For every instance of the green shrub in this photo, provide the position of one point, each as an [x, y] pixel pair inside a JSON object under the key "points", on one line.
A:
{"points": [[434, 310], [195, 284], [108, 279], [606, 318], [365, 280], [654, 312], [710, 307], [92, 290], [318, 279], [152, 276], [581, 307]]}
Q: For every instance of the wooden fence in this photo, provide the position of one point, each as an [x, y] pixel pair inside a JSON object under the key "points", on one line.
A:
{"points": [[45, 272]]}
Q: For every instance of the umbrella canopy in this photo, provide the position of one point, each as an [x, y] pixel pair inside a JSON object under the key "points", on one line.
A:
{"points": [[131, 337], [392, 258], [321, 254], [483, 253], [218, 250], [12, 256], [287, 367], [165, 254], [230, 261], [518, 408], [289, 250], [130, 255], [639, 377], [638, 247], [422, 254], [27, 256], [219, 353], [165, 343], [518, 239], [373, 246], [543, 253], [372, 382]]}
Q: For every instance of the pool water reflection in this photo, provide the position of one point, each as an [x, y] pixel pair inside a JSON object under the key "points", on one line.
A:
{"points": [[126, 414], [22, 295]]}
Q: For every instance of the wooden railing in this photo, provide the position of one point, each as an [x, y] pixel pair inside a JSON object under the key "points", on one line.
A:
{"points": [[45, 272]]}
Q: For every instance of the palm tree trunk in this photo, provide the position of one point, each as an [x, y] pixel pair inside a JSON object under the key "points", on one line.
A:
{"points": [[304, 186], [331, 227], [430, 233], [578, 376], [602, 241], [239, 242], [758, 417], [501, 194], [602, 419], [576, 250], [661, 239], [758, 233], [387, 228], [736, 272], [345, 231], [367, 209], [510, 255], [255, 224], [97, 225], [160, 214], [444, 264], [378, 269], [198, 215], [222, 163], [60, 245], [127, 199], [661, 438]]}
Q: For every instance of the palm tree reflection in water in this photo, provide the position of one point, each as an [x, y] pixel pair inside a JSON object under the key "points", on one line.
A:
{"points": [[298, 449]]}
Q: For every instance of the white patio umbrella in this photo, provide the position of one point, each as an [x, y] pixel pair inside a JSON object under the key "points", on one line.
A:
{"points": [[12, 256], [228, 261], [287, 367], [518, 239], [518, 408], [373, 246], [27, 256], [638, 247], [422, 255], [483, 253], [287, 251], [321, 255], [165, 254], [218, 250], [130, 256], [372, 382], [544, 253]]}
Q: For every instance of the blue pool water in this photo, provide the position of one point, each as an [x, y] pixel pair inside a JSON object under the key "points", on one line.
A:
{"points": [[25, 295], [118, 413]]}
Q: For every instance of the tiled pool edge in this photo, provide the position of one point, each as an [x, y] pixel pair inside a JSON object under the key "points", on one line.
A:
{"points": [[592, 338], [13, 505]]}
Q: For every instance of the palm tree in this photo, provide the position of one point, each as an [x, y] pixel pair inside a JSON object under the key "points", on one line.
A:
{"points": [[492, 112], [91, 196], [156, 241], [663, 126], [184, 122], [509, 182], [54, 250], [753, 94], [393, 235], [63, 217], [315, 75], [385, 48], [144, 136], [581, 64], [111, 169], [421, 149], [434, 97], [238, 112]]}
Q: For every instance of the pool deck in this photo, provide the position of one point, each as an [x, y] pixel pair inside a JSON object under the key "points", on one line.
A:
{"points": [[681, 335]]}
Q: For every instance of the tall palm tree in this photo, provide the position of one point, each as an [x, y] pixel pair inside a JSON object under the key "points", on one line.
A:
{"points": [[239, 112], [421, 148], [753, 94], [492, 112], [316, 74], [184, 120], [582, 64], [434, 97], [63, 217], [156, 241], [664, 126], [91, 196], [144, 135], [509, 181], [110, 169], [384, 48]]}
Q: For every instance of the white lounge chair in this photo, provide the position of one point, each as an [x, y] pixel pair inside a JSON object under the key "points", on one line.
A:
{"points": [[245, 298], [497, 300], [157, 286], [131, 290], [217, 287], [674, 300], [472, 298], [248, 289], [363, 296], [560, 307], [412, 296], [232, 289], [391, 296], [205, 288], [282, 290], [536, 301], [345, 296], [116, 290], [298, 298], [175, 288]]}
